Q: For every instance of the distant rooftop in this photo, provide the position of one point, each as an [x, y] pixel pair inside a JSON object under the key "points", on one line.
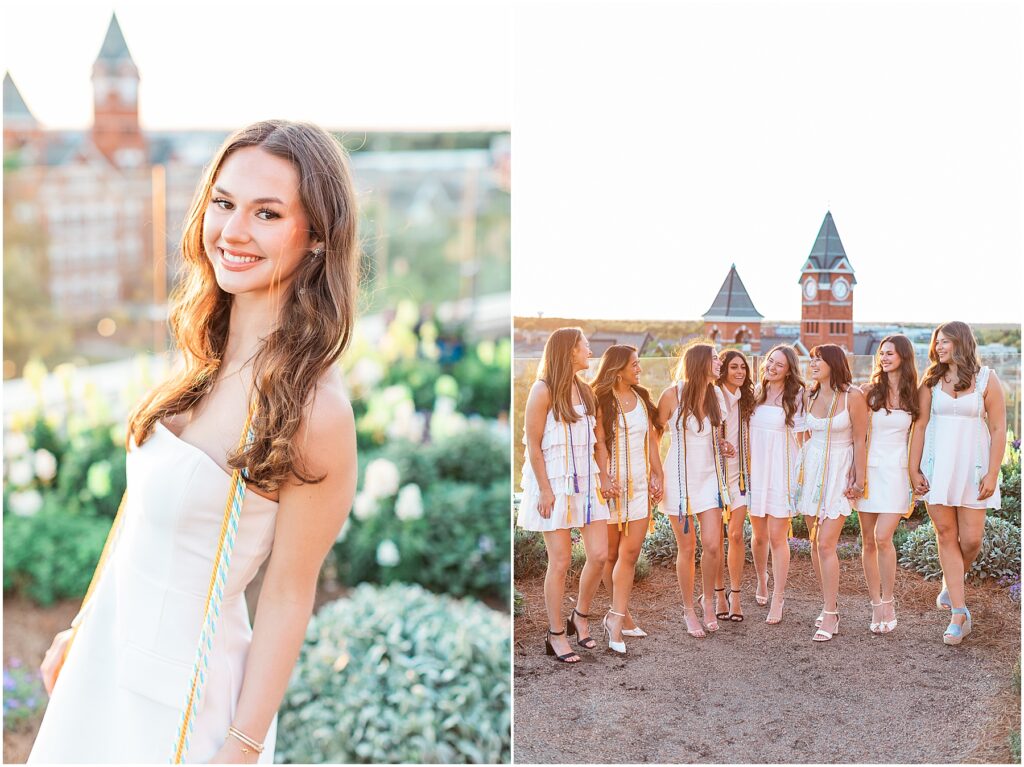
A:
{"points": [[827, 251], [732, 301], [15, 107], [114, 46]]}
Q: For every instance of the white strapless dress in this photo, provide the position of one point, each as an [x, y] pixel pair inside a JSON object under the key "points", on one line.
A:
{"points": [[121, 692]]}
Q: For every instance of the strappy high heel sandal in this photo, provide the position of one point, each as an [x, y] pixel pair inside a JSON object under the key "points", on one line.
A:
{"points": [[884, 627], [619, 647], [734, 617], [711, 626], [782, 607], [955, 633], [823, 636], [873, 626], [722, 616], [565, 657], [761, 600], [587, 643], [697, 632]]}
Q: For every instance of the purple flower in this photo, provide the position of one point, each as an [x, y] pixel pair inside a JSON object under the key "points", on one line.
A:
{"points": [[1016, 444], [8, 681], [15, 663]]}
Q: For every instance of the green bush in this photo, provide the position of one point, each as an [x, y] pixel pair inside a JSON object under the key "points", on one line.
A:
{"points": [[484, 375], [643, 568], [415, 462], [529, 555], [851, 525], [52, 555], [519, 601], [660, 544], [799, 527], [24, 696], [999, 557], [1009, 493], [400, 675], [474, 455]]}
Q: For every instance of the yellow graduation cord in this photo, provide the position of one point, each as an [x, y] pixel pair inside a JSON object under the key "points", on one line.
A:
{"points": [[824, 467]]}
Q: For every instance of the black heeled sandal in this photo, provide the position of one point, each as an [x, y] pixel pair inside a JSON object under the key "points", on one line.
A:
{"points": [[551, 650], [734, 617], [587, 643], [725, 615]]}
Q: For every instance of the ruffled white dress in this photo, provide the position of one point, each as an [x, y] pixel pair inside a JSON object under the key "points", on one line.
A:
{"points": [[888, 484], [774, 452], [737, 499], [120, 694], [692, 470], [821, 494], [957, 447], [572, 471], [638, 505]]}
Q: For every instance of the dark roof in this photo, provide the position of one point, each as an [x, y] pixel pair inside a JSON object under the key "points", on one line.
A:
{"points": [[601, 340], [828, 249], [14, 105], [114, 46], [732, 300]]}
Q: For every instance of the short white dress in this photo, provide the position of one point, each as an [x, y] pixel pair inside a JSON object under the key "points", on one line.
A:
{"points": [[774, 452], [692, 470], [737, 499], [638, 505], [821, 494], [572, 471], [888, 484], [957, 445]]}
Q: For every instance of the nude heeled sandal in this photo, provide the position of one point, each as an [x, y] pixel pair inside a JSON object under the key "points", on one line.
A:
{"points": [[618, 647]]}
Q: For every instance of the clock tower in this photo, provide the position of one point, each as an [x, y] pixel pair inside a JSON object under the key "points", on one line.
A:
{"points": [[115, 87], [826, 282]]}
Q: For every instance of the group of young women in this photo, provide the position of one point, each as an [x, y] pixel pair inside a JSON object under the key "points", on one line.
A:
{"points": [[770, 452]]}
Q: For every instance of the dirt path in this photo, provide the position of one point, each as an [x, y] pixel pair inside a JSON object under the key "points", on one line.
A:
{"points": [[758, 693]]}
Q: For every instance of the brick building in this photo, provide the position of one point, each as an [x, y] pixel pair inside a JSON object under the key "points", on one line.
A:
{"points": [[826, 282], [732, 318]]}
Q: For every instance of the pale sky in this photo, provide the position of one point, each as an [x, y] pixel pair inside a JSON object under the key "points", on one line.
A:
{"points": [[658, 143], [226, 63]]}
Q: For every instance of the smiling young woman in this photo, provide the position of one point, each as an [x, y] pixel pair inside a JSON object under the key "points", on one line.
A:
{"points": [[246, 452]]}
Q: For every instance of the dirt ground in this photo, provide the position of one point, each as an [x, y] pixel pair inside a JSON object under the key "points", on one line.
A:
{"points": [[758, 693]]}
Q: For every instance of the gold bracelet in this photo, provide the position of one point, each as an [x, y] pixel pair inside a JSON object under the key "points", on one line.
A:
{"points": [[245, 740]]}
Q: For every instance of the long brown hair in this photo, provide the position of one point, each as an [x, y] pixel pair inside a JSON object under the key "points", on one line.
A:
{"points": [[315, 319], [965, 355], [746, 388], [792, 385], [698, 399], [839, 373], [614, 359], [878, 387], [555, 370]]}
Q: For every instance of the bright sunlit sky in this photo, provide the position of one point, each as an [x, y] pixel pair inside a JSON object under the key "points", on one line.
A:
{"points": [[657, 143], [223, 64]]}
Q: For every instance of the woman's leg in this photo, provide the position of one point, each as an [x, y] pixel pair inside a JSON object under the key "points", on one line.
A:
{"points": [[828, 562], [710, 558], [869, 560], [737, 558], [595, 543], [612, 538], [951, 558], [559, 546], [759, 548], [622, 577], [971, 526], [885, 526], [778, 535], [686, 548]]}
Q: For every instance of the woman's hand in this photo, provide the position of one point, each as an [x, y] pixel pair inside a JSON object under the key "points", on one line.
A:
{"points": [[727, 449], [988, 485], [547, 503], [609, 487], [54, 659], [231, 753], [921, 486], [656, 486], [853, 491]]}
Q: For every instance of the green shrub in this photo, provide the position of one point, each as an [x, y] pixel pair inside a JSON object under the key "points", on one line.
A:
{"points": [[900, 534], [643, 568], [91, 474], [24, 696], [473, 455], [415, 462], [1009, 494], [660, 545], [400, 675], [519, 601], [799, 527], [999, 557], [529, 555], [851, 525], [484, 376], [52, 555]]}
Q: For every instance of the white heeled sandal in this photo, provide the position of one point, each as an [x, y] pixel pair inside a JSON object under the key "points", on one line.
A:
{"points": [[884, 627], [823, 636], [618, 647]]}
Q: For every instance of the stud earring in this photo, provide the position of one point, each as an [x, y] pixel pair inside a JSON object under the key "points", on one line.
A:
{"points": [[317, 253]]}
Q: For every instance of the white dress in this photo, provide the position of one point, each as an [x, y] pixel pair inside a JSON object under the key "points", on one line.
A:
{"points": [[120, 694], [732, 434], [695, 471], [888, 483], [956, 448], [774, 451], [821, 494], [638, 505], [568, 453]]}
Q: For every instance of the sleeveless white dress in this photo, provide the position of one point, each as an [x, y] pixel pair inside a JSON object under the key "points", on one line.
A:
{"points": [[956, 448], [888, 483], [695, 471], [732, 434], [120, 694], [638, 505], [821, 493], [568, 452], [772, 493]]}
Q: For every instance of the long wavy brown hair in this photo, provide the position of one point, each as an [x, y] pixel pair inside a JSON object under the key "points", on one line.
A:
{"points": [[614, 359], [746, 388], [555, 370], [878, 387], [315, 318], [965, 355], [698, 399], [792, 384], [840, 376]]}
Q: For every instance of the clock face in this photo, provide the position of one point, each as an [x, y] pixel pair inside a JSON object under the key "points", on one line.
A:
{"points": [[810, 289], [840, 289]]}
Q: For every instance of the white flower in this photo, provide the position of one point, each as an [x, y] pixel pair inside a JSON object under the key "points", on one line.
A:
{"points": [[387, 553], [15, 445], [381, 480], [46, 465], [368, 372], [365, 506], [20, 473], [410, 503], [26, 503]]}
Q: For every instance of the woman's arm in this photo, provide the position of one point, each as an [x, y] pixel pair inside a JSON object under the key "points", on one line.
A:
{"points": [[654, 453], [924, 400], [309, 518], [535, 418], [995, 408], [609, 488], [858, 406]]}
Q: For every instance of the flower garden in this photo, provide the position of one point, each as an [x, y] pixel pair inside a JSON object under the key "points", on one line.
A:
{"points": [[407, 657]]}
